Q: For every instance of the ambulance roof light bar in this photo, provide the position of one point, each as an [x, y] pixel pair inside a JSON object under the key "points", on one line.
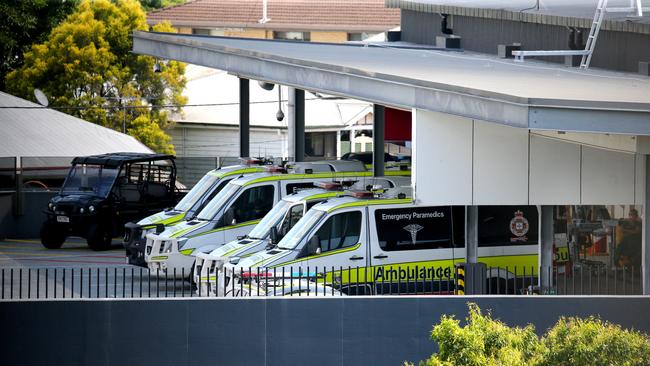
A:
{"points": [[255, 161], [276, 169], [330, 186], [361, 194]]}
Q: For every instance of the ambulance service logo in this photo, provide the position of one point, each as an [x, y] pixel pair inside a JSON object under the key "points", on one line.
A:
{"points": [[413, 230], [519, 227]]}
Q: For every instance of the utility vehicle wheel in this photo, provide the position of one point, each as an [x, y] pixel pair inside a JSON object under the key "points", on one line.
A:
{"points": [[52, 236], [97, 238]]}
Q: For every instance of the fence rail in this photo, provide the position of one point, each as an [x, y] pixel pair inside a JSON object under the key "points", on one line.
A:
{"points": [[136, 282]]}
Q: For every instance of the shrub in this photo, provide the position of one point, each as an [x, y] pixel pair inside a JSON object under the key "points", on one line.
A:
{"points": [[593, 342], [484, 341]]}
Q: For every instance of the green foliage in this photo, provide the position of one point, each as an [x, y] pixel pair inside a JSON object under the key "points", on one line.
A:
{"points": [[86, 65], [157, 4], [484, 341], [25, 22], [150, 134], [593, 342]]}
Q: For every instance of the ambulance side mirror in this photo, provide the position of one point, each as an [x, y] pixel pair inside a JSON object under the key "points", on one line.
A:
{"points": [[274, 235], [314, 245], [229, 217]]}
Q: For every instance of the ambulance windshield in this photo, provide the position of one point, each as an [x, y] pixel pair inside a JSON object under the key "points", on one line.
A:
{"points": [[295, 235], [210, 210]]}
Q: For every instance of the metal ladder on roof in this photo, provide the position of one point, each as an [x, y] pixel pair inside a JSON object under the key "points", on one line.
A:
{"points": [[593, 33], [635, 8]]}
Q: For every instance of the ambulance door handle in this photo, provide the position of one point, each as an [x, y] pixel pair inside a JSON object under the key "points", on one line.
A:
{"points": [[356, 258], [380, 256]]}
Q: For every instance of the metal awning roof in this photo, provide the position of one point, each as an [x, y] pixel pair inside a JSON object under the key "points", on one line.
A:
{"points": [[575, 8], [574, 13], [534, 95]]}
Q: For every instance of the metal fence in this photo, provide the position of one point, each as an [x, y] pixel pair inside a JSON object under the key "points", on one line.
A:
{"points": [[49, 172], [191, 169], [137, 282]]}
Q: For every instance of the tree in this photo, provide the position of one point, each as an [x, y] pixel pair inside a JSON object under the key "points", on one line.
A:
{"points": [[87, 69], [25, 22], [484, 341], [157, 4]]}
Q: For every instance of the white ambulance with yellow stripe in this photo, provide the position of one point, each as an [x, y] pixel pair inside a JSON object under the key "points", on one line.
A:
{"points": [[391, 245], [276, 224], [202, 192], [235, 210]]}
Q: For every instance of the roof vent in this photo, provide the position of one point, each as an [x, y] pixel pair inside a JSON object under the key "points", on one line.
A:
{"points": [[448, 41], [505, 50]]}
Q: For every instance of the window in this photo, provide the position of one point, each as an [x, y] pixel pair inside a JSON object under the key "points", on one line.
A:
{"points": [[199, 189], [293, 36], [207, 197], [414, 228], [320, 144], [340, 231], [355, 37], [208, 32], [507, 225], [297, 187], [360, 36], [253, 203], [294, 215]]}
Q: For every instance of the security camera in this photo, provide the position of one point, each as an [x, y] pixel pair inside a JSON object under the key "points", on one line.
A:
{"points": [[266, 86], [279, 115]]}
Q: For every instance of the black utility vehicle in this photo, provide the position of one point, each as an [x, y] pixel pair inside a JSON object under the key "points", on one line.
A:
{"points": [[103, 192]]}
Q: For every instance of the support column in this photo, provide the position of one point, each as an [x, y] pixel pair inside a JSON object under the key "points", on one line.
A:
{"points": [[378, 131], [291, 124], [645, 242], [338, 144], [546, 236], [299, 108], [296, 124], [244, 118], [471, 234]]}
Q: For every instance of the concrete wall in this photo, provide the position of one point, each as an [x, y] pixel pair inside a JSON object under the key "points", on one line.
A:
{"points": [[479, 163], [315, 36], [249, 33], [28, 224], [332, 37], [294, 331], [483, 35]]}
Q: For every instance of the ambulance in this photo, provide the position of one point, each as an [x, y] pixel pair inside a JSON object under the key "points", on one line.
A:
{"points": [[365, 243], [290, 285], [206, 188], [235, 210], [276, 224]]}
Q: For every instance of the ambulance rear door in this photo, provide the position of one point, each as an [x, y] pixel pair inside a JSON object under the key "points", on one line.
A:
{"points": [[411, 248]]}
